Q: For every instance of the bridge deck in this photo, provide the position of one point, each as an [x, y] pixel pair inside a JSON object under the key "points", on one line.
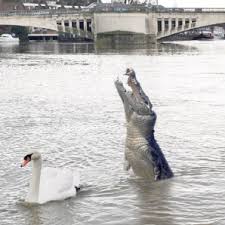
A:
{"points": [[154, 22], [120, 8]]}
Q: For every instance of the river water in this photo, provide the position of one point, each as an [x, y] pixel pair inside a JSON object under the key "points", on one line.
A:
{"points": [[60, 99]]}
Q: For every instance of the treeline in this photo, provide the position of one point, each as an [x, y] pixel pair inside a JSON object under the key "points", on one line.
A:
{"points": [[61, 2], [76, 2]]}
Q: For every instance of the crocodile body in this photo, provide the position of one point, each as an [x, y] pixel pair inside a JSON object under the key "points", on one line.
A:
{"points": [[142, 152]]}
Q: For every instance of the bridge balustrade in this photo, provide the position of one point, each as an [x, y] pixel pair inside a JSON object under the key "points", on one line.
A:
{"points": [[44, 12], [108, 8], [213, 10], [193, 10]]}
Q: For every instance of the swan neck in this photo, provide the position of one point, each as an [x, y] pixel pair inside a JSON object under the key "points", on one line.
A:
{"points": [[35, 181]]}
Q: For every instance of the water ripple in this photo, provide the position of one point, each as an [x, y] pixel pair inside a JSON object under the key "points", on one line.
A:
{"points": [[66, 107]]}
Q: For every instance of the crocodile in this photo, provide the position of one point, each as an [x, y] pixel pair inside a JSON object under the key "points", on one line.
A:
{"points": [[142, 152]]}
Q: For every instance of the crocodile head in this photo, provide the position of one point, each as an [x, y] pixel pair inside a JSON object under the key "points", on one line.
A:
{"points": [[135, 101]]}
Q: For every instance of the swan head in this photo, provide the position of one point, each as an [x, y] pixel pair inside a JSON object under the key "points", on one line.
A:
{"points": [[31, 156]]}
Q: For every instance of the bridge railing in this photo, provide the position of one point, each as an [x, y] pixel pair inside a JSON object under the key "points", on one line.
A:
{"points": [[47, 12], [109, 8], [119, 7], [44, 12], [193, 10]]}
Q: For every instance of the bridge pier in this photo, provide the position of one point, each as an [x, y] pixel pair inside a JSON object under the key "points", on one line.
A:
{"points": [[183, 24], [70, 26], [85, 27], [63, 26], [163, 26], [170, 25], [121, 39], [189, 24], [176, 25], [78, 26]]}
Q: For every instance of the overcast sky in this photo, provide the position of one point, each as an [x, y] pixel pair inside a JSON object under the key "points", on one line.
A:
{"points": [[192, 3]]}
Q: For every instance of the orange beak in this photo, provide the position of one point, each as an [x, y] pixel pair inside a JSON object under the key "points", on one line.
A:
{"points": [[24, 163]]}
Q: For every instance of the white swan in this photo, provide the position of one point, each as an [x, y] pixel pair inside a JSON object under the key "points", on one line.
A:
{"points": [[49, 184]]}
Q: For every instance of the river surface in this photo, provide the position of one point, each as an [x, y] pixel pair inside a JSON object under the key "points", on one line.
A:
{"points": [[60, 99]]}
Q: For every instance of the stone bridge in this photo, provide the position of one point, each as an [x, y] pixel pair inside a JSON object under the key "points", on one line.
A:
{"points": [[79, 23], [137, 25]]}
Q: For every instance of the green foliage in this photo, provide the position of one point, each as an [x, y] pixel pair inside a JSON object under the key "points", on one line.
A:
{"points": [[62, 2], [76, 2], [10, 1]]}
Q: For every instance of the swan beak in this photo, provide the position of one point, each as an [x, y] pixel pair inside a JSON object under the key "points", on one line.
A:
{"points": [[24, 163]]}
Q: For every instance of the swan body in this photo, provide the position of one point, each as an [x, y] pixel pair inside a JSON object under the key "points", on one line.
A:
{"points": [[50, 184]]}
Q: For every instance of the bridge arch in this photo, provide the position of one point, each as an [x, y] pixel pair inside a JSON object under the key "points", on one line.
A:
{"points": [[188, 30], [24, 21], [62, 24], [175, 23]]}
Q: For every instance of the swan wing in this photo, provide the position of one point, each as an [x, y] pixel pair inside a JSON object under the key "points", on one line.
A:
{"points": [[76, 178], [57, 184]]}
